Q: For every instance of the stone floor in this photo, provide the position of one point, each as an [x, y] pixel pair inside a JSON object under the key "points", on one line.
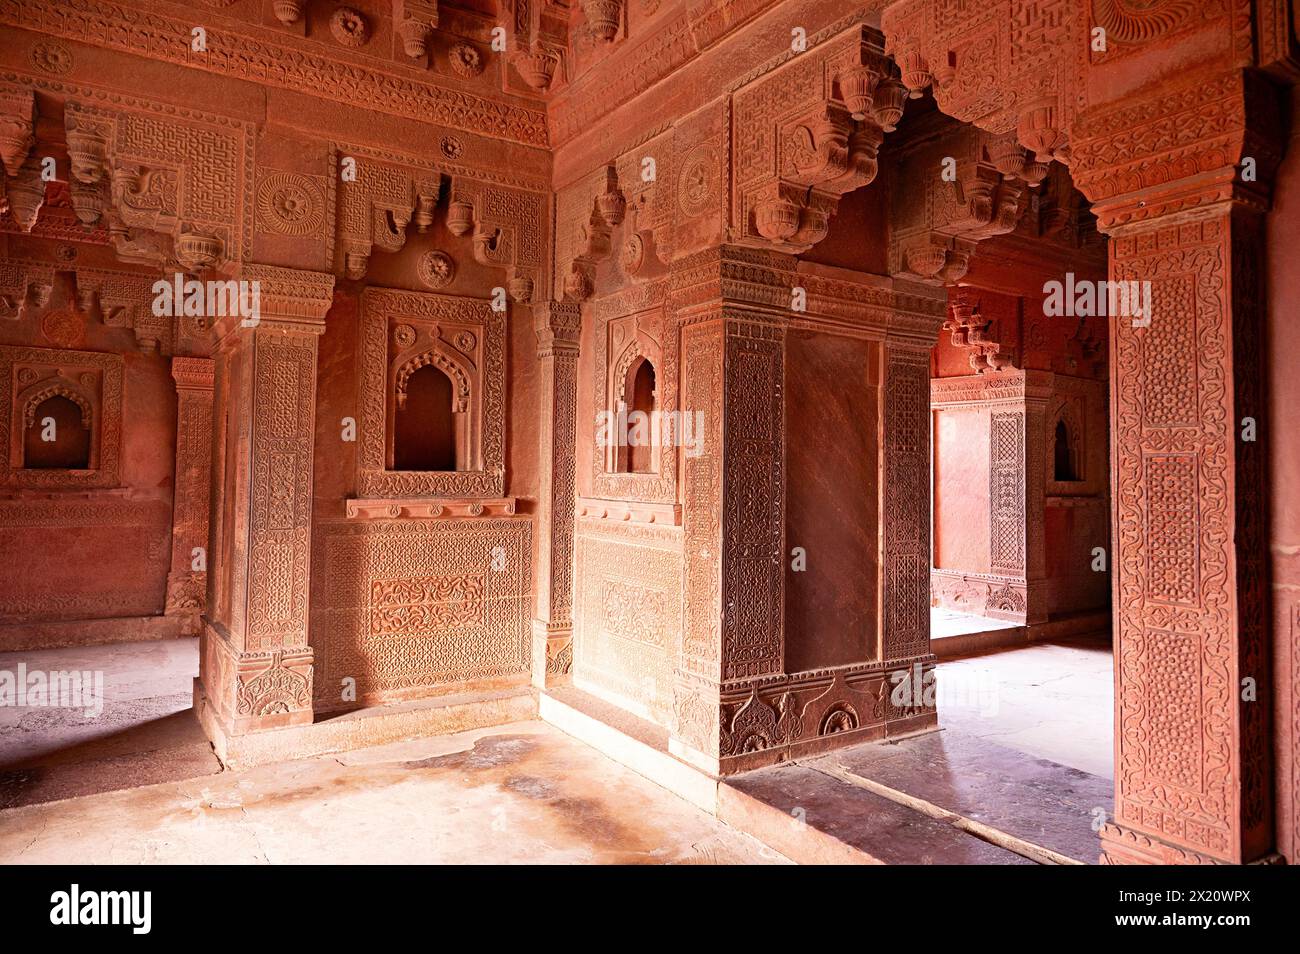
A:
{"points": [[145, 733], [1026, 751], [515, 794], [1049, 700], [945, 623]]}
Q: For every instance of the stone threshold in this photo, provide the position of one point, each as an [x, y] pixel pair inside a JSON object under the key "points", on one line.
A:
{"points": [[800, 809], [377, 725], [1009, 637]]}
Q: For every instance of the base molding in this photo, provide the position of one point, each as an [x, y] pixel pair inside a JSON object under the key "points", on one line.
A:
{"points": [[379, 725], [1125, 846], [639, 745]]}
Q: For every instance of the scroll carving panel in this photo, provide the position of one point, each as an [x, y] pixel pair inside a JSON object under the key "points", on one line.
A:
{"points": [[411, 605]]}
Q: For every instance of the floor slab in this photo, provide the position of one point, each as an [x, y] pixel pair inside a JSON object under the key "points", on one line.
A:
{"points": [[523, 793], [816, 818], [1052, 700], [1034, 800]]}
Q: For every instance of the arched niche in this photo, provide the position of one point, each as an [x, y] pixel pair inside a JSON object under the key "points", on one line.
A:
{"points": [[639, 402], [425, 425], [58, 431], [431, 402]]}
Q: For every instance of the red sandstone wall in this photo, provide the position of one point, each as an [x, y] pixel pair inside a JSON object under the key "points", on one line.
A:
{"points": [[101, 553]]}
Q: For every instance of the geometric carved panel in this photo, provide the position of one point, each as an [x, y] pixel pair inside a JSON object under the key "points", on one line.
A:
{"points": [[1172, 529], [628, 610], [1007, 492], [418, 604]]}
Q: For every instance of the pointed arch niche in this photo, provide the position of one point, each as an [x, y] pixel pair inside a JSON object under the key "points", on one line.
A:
{"points": [[432, 397]]}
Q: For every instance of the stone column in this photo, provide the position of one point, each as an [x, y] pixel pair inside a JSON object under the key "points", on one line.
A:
{"points": [[557, 325], [732, 344], [1193, 762], [187, 582], [256, 664]]}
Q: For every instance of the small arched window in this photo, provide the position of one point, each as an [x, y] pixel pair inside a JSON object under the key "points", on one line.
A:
{"points": [[1063, 455], [639, 399], [424, 433], [58, 437]]}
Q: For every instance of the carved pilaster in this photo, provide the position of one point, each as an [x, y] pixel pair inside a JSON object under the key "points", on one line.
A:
{"points": [[1192, 774], [187, 582], [733, 342], [905, 493], [557, 325], [256, 662]]}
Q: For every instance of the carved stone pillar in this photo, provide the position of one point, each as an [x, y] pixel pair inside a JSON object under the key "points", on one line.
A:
{"points": [[1038, 392], [732, 343], [557, 325], [256, 666], [1192, 773], [187, 582]]}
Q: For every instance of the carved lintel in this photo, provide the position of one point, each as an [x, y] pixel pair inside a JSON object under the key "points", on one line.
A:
{"points": [[429, 508]]}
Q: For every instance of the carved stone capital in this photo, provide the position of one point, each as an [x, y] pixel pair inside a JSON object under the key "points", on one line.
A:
{"points": [[558, 325], [1178, 151], [17, 119], [193, 374]]}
